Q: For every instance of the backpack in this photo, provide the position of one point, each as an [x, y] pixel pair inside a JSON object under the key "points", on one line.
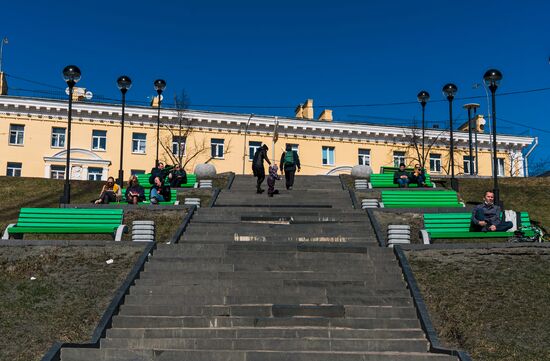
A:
{"points": [[289, 158]]}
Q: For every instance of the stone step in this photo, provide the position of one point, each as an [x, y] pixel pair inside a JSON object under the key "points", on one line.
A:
{"points": [[255, 332], [268, 276], [167, 298], [203, 322], [285, 265], [171, 280], [269, 344], [368, 240], [350, 311], [203, 289], [265, 247], [87, 354]]}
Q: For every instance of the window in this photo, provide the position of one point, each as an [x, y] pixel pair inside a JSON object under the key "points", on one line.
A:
{"points": [[95, 174], [17, 133], [57, 172], [252, 148], [398, 158], [138, 142], [469, 164], [435, 162], [500, 167], [364, 157], [137, 171], [328, 155], [216, 148], [14, 169], [178, 144], [99, 139], [58, 137]]}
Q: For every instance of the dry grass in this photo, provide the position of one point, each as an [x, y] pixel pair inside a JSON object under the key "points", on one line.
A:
{"points": [[490, 302], [72, 289]]}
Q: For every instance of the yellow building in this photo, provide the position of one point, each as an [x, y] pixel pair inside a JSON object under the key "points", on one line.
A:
{"points": [[33, 137]]}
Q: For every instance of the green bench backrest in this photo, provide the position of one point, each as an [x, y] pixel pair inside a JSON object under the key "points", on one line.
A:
{"points": [[392, 170], [420, 198], [144, 180], [458, 222], [386, 180], [71, 217]]}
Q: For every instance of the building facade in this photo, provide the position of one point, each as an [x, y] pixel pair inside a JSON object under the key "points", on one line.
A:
{"points": [[33, 140]]}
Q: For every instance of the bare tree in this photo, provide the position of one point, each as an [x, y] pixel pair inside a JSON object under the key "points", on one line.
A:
{"points": [[181, 144], [415, 145]]}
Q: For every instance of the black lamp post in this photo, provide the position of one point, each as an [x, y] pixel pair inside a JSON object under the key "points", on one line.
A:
{"points": [[160, 85], [469, 107], [124, 83], [492, 79], [449, 90], [71, 75], [423, 98]]}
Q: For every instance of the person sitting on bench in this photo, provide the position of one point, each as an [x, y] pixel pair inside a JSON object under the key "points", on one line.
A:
{"points": [[177, 176], [486, 216], [418, 176], [159, 192], [134, 193], [401, 177], [109, 193]]}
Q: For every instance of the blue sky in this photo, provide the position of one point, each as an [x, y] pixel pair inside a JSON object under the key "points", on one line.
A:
{"points": [[265, 57]]}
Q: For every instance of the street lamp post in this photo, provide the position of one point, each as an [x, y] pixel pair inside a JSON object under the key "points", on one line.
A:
{"points": [[245, 134], [492, 79], [449, 90], [469, 107], [423, 98], [71, 75], [160, 85], [124, 83]]}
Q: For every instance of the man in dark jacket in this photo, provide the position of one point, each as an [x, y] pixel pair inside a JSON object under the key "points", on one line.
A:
{"points": [[289, 162], [258, 166], [159, 171], [401, 177], [486, 216], [177, 177]]}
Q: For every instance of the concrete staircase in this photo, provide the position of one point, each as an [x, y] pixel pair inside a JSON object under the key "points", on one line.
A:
{"points": [[295, 277]]}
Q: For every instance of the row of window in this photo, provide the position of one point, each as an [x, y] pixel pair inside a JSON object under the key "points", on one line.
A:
{"points": [[58, 171], [139, 140]]}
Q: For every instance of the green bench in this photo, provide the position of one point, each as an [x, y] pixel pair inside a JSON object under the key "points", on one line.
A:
{"points": [[173, 197], [419, 199], [68, 221], [458, 225], [385, 180], [144, 180]]}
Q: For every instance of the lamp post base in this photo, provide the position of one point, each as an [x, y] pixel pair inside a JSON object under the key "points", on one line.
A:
{"points": [[454, 184], [121, 178], [66, 197]]}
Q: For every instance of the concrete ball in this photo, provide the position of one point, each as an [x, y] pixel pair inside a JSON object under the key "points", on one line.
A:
{"points": [[205, 170], [361, 171]]}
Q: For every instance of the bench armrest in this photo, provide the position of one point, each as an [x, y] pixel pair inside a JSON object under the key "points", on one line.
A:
{"points": [[119, 231], [176, 203], [425, 236], [369, 185], [6, 234], [381, 204]]}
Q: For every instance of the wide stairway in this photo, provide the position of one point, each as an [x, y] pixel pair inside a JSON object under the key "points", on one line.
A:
{"points": [[295, 277]]}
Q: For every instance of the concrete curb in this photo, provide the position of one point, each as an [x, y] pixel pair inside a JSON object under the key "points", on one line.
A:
{"points": [[422, 310]]}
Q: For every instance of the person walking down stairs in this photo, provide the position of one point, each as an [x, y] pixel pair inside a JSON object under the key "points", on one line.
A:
{"points": [[258, 166]]}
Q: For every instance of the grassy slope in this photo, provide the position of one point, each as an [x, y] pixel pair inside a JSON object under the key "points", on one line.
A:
{"points": [[492, 303], [72, 288]]}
